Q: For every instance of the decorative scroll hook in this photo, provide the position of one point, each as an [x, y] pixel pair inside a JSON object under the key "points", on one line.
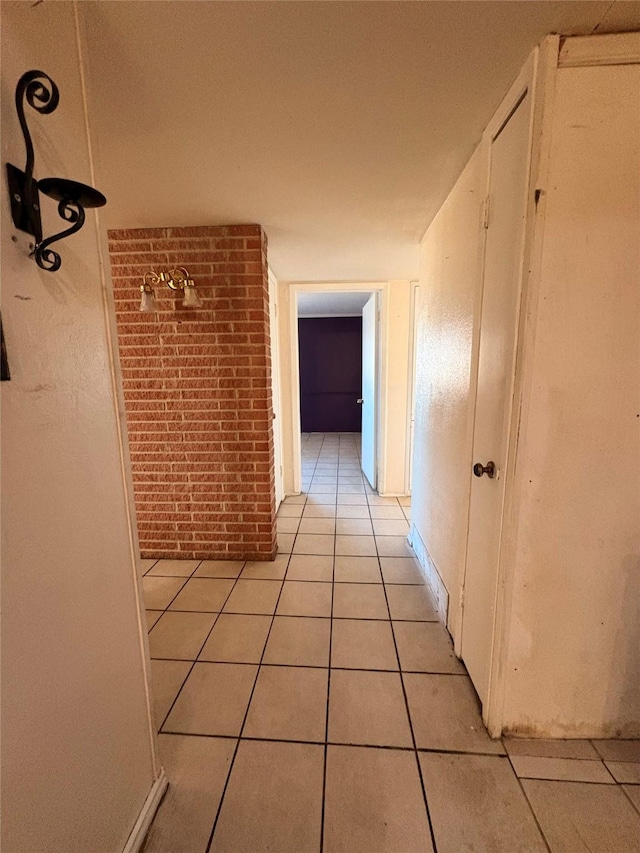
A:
{"points": [[41, 93]]}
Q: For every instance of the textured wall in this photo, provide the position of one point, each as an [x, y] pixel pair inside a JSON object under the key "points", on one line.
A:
{"points": [[447, 307], [77, 754], [197, 385]]}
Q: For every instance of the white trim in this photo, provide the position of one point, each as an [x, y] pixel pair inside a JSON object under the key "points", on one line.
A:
{"points": [[431, 574], [147, 814], [613, 49]]}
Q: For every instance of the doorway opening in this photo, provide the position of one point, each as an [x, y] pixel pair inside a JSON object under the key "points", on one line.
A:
{"points": [[337, 345]]}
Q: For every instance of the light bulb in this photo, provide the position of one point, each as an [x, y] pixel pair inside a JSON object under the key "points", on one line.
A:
{"points": [[191, 298], [148, 302]]}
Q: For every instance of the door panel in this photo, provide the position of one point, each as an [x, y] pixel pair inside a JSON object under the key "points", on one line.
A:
{"points": [[369, 387], [330, 373], [500, 308]]}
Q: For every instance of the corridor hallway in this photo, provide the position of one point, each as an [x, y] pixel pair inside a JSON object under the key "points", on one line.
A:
{"points": [[314, 703]]}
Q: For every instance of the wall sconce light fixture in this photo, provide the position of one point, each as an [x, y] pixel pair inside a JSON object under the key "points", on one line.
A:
{"points": [[42, 94], [177, 279]]}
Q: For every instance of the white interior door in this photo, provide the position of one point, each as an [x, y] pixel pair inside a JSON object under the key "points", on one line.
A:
{"points": [[509, 153], [275, 388], [369, 400]]}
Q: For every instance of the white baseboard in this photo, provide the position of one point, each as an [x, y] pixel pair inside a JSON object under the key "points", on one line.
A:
{"points": [[433, 579], [147, 814]]}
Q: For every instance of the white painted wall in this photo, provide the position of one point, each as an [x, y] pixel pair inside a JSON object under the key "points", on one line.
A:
{"points": [[394, 364], [77, 745], [574, 642], [569, 599], [447, 317]]}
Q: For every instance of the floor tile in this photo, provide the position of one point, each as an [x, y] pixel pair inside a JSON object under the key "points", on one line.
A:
{"points": [[291, 510], [413, 603], [167, 677], [289, 703], [197, 768], [313, 543], [550, 748], [152, 617], [285, 542], [203, 594], [237, 639], [357, 570], [405, 501], [356, 546], [476, 803], [298, 641], [324, 526], [346, 511], [310, 567], [174, 568], [319, 511], [625, 771], [445, 714], [180, 635], [273, 801], [562, 769], [376, 500], [577, 817], [145, 564], [367, 708], [219, 569], [323, 489], [618, 750], [374, 802], [390, 527], [393, 546], [158, 592], [266, 569], [359, 601], [287, 525], [425, 647], [350, 489], [354, 527], [213, 700], [401, 570], [251, 596], [305, 598], [363, 644], [325, 478], [352, 500], [392, 512], [321, 499]]}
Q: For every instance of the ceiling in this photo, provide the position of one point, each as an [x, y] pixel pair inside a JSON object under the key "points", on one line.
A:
{"points": [[332, 304], [340, 127]]}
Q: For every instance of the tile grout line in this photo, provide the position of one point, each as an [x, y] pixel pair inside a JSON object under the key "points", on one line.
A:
{"points": [[191, 668], [326, 721], [410, 721], [528, 802], [246, 713]]}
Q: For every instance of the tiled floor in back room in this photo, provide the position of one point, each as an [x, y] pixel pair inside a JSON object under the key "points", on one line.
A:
{"points": [[314, 703]]}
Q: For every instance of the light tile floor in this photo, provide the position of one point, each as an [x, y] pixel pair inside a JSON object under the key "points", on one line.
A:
{"points": [[315, 703]]}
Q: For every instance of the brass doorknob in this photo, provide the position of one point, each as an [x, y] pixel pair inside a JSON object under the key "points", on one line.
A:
{"points": [[489, 469]]}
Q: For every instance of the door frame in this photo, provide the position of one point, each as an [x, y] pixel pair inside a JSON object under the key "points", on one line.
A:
{"points": [[327, 287], [276, 396], [538, 78]]}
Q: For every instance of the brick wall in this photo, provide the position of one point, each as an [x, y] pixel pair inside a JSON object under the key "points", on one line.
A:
{"points": [[197, 387]]}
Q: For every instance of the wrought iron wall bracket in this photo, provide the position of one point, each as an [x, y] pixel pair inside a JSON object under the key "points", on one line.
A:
{"points": [[41, 93]]}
